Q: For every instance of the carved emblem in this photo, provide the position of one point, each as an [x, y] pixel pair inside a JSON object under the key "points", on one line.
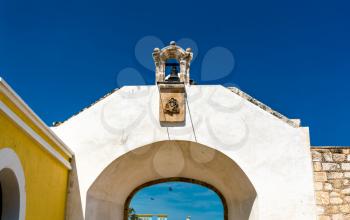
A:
{"points": [[172, 107]]}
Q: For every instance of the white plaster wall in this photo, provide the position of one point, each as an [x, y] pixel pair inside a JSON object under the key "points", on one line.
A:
{"points": [[274, 155]]}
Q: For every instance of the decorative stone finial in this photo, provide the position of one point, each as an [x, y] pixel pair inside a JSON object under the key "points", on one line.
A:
{"points": [[172, 43]]}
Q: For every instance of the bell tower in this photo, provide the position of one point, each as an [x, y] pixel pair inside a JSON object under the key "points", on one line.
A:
{"points": [[161, 59], [172, 102]]}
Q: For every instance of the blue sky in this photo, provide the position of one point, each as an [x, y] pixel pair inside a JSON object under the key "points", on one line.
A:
{"points": [[185, 199], [62, 55]]}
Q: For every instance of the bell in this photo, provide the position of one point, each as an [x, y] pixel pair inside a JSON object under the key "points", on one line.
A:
{"points": [[174, 76]]}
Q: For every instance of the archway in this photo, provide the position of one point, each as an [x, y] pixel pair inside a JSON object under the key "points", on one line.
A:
{"points": [[12, 188], [9, 195], [184, 160]]}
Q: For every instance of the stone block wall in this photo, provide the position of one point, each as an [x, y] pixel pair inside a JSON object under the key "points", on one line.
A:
{"points": [[332, 182]]}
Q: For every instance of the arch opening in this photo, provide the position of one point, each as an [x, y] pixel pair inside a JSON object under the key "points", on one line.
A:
{"points": [[191, 192], [0, 201], [12, 184], [10, 195], [172, 70], [108, 197]]}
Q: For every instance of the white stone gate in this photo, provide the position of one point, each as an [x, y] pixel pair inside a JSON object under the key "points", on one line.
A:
{"points": [[259, 160]]}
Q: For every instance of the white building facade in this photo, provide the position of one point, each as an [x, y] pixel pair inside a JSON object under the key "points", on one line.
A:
{"points": [[257, 160]]}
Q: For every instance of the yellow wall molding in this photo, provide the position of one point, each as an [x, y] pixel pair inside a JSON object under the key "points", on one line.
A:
{"points": [[33, 134], [22, 106]]}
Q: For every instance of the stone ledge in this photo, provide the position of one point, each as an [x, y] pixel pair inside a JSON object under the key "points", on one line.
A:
{"points": [[293, 122]]}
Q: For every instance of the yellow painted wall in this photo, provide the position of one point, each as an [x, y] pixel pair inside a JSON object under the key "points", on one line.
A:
{"points": [[20, 114], [45, 177]]}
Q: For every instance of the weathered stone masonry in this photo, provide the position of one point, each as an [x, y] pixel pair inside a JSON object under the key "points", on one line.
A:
{"points": [[332, 182]]}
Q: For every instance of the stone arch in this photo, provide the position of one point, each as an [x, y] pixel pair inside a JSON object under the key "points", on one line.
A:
{"points": [[107, 196], [12, 182]]}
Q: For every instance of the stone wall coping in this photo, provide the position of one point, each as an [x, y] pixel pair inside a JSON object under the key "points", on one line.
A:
{"points": [[329, 147]]}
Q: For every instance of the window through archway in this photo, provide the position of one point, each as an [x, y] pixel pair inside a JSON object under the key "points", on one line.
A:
{"points": [[176, 200]]}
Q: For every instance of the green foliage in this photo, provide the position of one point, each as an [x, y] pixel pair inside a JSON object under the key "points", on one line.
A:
{"points": [[132, 214]]}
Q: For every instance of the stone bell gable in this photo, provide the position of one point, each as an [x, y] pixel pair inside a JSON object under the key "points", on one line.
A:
{"points": [[184, 57]]}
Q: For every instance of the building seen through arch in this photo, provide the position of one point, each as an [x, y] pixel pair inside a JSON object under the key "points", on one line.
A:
{"points": [[152, 216], [88, 167]]}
